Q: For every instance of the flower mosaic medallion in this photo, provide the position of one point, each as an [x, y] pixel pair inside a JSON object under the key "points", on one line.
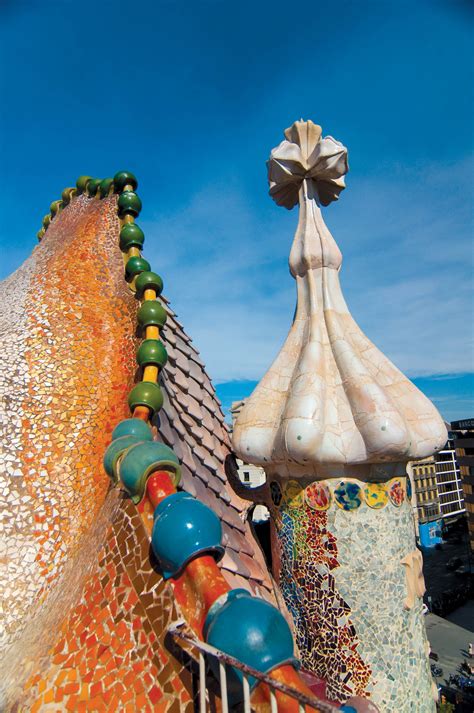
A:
{"points": [[318, 496], [396, 492], [376, 495], [348, 495], [293, 494]]}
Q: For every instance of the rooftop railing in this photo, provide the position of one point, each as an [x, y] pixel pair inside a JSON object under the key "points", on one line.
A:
{"points": [[206, 653]]}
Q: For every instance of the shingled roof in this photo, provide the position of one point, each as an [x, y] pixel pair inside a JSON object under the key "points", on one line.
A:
{"points": [[192, 423]]}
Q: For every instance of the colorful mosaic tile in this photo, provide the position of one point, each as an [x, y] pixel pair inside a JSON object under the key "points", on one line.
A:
{"points": [[396, 492], [110, 653], [325, 635], [348, 495], [318, 496], [293, 494], [342, 575], [62, 388], [376, 495]]}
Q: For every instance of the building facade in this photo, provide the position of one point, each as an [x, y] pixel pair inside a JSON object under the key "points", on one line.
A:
{"points": [[426, 490], [427, 502], [448, 476], [463, 441]]}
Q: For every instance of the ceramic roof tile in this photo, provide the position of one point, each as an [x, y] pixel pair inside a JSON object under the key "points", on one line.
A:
{"points": [[266, 592], [181, 361], [172, 354], [168, 336], [196, 373], [187, 453], [178, 377], [209, 498], [191, 441], [218, 506], [195, 429], [210, 390], [238, 540], [164, 428], [254, 569], [225, 535], [230, 563], [235, 581], [207, 420], [191, 421], [195, 358], [201, 489], [209, 442], [185, 346], [178, 324], [213, 409], [195, 389], [188, 481], [225, 496], [216, 486], [196, 465], [178, 449], [202, 474], [193, 407]]}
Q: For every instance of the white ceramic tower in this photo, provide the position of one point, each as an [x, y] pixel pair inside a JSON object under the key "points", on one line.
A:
{"points": [[333, 423]]}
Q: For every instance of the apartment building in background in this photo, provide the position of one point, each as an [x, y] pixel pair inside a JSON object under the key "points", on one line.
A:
{"points": [[443, 485], [462, 433], [448, 477], [426, 499]]}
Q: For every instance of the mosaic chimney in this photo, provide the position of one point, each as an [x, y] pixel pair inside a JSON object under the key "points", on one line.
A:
{"points": [[333, 423]]}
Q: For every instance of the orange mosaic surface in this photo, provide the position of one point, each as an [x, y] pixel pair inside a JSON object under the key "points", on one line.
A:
{"points": [[80, 619], [68, 362], [110, 653], [80, 354]]}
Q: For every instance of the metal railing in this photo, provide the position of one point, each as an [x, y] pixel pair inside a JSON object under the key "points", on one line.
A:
{"points": [[204, 650]]}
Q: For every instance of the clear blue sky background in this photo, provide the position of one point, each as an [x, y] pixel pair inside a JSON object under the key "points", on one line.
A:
{"points": [[193, 95]]}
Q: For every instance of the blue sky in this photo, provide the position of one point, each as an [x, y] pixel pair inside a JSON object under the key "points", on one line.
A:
{"points": [[191, 96]]}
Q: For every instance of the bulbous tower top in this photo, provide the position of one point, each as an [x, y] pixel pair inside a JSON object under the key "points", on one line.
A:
{"points": [[331, 403]]}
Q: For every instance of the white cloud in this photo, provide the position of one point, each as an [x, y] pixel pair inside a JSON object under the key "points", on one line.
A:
{"points": [[406, 275]]}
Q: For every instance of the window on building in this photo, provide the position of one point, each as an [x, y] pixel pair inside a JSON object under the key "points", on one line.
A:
{"points": [[246, 476]]}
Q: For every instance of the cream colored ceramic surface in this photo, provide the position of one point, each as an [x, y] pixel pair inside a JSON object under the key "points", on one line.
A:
{"points": [[330, 398]]}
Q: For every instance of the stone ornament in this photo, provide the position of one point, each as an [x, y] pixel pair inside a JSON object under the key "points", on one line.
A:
{"points": [[330, 398], [306, 155], [413, 563]]}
